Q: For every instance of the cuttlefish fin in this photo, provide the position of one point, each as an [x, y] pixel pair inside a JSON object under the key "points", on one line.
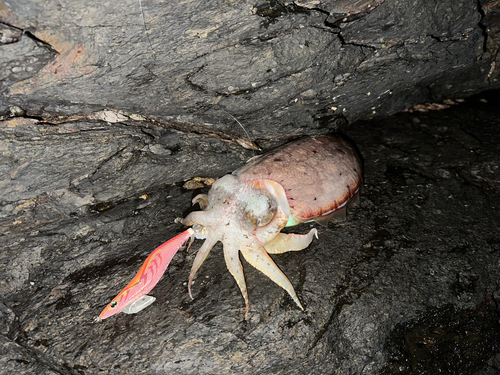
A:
{"points": [[290, 242], [260, 259], [340, 214], [140, 304], [337, 215], [354, 200]]}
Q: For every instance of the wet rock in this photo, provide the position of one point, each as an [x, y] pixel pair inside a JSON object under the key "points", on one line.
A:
{"points": [[297, 64], [54, 174], [412, 272], [447, 341], [112, 119]]}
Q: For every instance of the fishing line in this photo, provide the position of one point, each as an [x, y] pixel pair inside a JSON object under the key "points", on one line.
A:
{"points": [[146, 29]]}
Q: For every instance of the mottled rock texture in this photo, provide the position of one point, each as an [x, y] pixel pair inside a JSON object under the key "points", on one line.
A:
{"points": [[108, 112], [279, 66], [410, 282]]}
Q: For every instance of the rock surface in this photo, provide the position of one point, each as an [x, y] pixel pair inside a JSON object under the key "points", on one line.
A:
{"points": [[113, 117], [408, 284], [300, 65]]}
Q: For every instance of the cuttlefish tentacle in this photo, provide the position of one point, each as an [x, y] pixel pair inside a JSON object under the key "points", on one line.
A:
{"points": [[290, 242], [211, 240], [260, 259], [231, 255]]}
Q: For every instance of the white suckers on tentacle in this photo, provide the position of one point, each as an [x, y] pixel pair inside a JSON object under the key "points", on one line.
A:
{"points": [[312, 178]]}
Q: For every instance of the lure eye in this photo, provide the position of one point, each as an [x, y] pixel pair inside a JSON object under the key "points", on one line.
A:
{"points": [[113, 304]]}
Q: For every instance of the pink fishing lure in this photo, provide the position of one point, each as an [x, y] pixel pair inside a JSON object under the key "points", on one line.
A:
{"points": [[133, 298]]}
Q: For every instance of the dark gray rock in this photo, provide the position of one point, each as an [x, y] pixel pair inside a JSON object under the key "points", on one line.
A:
{"points": [[412, 273], [107, 110], [300, 65], [52, 174]]}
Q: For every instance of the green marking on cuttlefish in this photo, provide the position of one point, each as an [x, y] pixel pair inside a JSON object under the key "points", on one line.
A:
{"points": [[291, 222]]}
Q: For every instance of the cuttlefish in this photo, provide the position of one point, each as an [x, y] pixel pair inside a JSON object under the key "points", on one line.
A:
{"points": [[310, 179]]}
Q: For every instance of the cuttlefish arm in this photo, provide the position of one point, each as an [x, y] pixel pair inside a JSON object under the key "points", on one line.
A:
{"points": [[258, 257], [203, 218], [233, 263], [281, 242], [290, 242], [254, 253], [211, 240]]}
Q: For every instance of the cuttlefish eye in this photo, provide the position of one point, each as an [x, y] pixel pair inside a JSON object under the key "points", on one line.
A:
{"points": [[266, 219], [113, 304], [260, 212]]}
